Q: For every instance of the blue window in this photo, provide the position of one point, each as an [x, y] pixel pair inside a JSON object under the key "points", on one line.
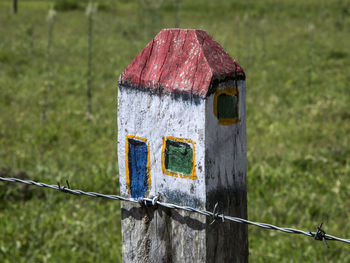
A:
{"points": [[137, 166]]}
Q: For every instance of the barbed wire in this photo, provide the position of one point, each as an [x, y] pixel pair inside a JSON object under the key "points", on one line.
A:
{"points": [[319, 235]]}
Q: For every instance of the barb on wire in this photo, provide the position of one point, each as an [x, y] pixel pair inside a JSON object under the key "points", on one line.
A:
{"points": [[319, 235], [155, 200], [65, 189], [215, 215]]}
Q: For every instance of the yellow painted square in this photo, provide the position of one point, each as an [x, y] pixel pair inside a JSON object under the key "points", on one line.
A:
{"points": [[191, 176], [230, 92]]}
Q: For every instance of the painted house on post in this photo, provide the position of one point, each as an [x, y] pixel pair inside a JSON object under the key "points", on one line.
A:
{"points": [[181, 136]]}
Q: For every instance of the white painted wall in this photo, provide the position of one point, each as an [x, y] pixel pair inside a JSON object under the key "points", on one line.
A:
{"points": [[226, 145], [220, 151], [152, 117]]}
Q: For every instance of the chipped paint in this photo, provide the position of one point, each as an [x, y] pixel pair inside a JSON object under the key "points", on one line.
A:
{"points": [[181, 60], [181, 197], [154, 117], [172, 85]]}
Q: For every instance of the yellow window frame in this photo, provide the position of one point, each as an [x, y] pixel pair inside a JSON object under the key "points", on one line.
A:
{"points": [[127, 172], [230, 92], [193, 175]]}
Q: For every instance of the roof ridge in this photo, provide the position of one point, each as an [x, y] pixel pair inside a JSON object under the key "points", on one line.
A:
{"points": [[202, 52]]}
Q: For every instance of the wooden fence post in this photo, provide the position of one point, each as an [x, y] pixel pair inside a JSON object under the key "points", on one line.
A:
{"points": [[14, 5], [182, 137]]}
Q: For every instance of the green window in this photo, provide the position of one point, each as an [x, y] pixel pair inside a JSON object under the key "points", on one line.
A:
{"points": [[178, 157], [227, 106]]}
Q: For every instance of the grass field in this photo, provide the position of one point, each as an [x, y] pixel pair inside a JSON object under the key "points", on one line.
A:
{"points": [[296, 56]]}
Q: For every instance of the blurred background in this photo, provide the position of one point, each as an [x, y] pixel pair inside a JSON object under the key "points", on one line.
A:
{"points": [[59, 65]]}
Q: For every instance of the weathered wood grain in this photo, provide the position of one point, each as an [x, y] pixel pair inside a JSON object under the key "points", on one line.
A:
{"points": [[225, 173], [166, 100]]}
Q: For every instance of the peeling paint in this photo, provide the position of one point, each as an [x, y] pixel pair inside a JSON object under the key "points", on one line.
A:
{"points": [[172, 85], [188, 65], [182, 198]]}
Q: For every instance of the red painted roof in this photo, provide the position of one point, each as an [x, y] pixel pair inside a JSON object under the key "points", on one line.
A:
{"points": [[183, 60]]}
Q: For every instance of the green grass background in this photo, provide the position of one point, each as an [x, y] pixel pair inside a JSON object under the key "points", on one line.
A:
{"points": [[296, 58]]}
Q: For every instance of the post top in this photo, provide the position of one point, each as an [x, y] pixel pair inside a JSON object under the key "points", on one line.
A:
{"points": [[181, 60]]}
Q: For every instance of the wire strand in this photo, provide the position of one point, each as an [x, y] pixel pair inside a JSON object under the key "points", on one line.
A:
{"points": [[320, 235]]}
